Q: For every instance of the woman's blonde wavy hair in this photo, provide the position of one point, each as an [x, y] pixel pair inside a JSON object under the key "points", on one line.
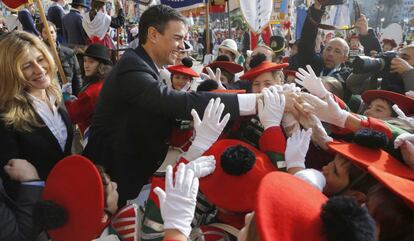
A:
{"points": [[15, 106]]}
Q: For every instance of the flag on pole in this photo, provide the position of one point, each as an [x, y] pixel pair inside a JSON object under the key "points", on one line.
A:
{"points": [[183, 5], [256, 13], [15, 4]]}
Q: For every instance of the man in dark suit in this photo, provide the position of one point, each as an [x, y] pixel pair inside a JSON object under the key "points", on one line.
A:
{"points": [[55, 14], [26, 19], [136, 111], [16, 216], [72, 23]]}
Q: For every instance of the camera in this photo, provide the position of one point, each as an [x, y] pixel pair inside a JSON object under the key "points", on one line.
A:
{"points": [[379, 64]]}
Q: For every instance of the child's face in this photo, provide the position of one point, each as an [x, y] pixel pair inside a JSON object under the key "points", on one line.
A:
{"points": [[179, 81], [379, 108], [337, 175]]}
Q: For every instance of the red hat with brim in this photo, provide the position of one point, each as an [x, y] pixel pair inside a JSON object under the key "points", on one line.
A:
{"points": [[365, 157], [288, 209], [264, 67], [182, 69], [76, 185], [401, 187], [228, 66], [405, 103], [231, 192], [390, 41]]}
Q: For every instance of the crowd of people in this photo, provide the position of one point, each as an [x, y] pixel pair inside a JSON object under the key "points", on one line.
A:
{"points": [[295, 142]]}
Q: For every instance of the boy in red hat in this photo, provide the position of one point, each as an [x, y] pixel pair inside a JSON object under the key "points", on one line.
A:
{"points": [[182, 75]]}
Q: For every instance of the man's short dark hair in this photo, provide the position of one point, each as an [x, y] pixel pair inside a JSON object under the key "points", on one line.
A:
{"points": [[157, 16]]}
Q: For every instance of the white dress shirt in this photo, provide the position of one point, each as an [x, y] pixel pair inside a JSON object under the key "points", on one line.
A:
{"points": [[52, 118]]}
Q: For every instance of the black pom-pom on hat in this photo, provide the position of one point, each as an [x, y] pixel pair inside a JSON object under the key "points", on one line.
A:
{"points": [[49, 215], [345, 220], [237, 160], [207, 85], [187, 62], [370, 138], [257, 59]]}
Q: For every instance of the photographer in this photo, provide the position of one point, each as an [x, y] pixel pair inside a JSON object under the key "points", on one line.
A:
{"points": [[397, 74], [335, 54]]}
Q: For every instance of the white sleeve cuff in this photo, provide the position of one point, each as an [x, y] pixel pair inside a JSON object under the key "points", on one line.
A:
{"points": [[247, 104], [313, 177]]}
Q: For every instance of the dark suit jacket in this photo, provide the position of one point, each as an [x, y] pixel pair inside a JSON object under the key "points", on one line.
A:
{"points": [[55, 15], [16, 217], [26, 19], [39, 147], [133, 120], [72, 28]]}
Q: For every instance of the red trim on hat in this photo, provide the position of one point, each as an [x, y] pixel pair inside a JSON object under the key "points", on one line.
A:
{"points": [[76, 184], [234, 193], [405, 103], [264, 67], [288, 209], [288, 72], [228, 66], [273, 140], [184, 70], [402, 187], [366, 157]]}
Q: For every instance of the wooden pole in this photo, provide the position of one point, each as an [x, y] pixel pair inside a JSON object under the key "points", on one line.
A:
{"points": [[51, 42], [207, 27], [228, 16]]}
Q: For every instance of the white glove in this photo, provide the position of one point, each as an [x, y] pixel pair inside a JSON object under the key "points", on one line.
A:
{"points": [[329, 111], [402, 115], [311, 82], [289, 120], [67, 88], [407, 151], [296, 148], [177, 202], [410, 93], [291, 88], [402, 138], [270, 111], [313, 177], [202, 166], [319, 135], [208, 130], [214, 76]]}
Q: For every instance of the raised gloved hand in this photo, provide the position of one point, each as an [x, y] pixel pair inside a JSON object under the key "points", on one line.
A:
{"points": [[296, 148], [270, 111], [407, 152], [319, 135], [402, 115], [178, 201], [402, 138], [214, 76], [208, 130], [329, 111], [202, 166], [311, 82]]}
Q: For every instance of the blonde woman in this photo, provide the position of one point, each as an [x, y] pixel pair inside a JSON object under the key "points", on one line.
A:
{"points": [[32, 125]]}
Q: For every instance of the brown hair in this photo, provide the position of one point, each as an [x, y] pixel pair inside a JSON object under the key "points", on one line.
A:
{"points": [[15, 105], [95, 7]]}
